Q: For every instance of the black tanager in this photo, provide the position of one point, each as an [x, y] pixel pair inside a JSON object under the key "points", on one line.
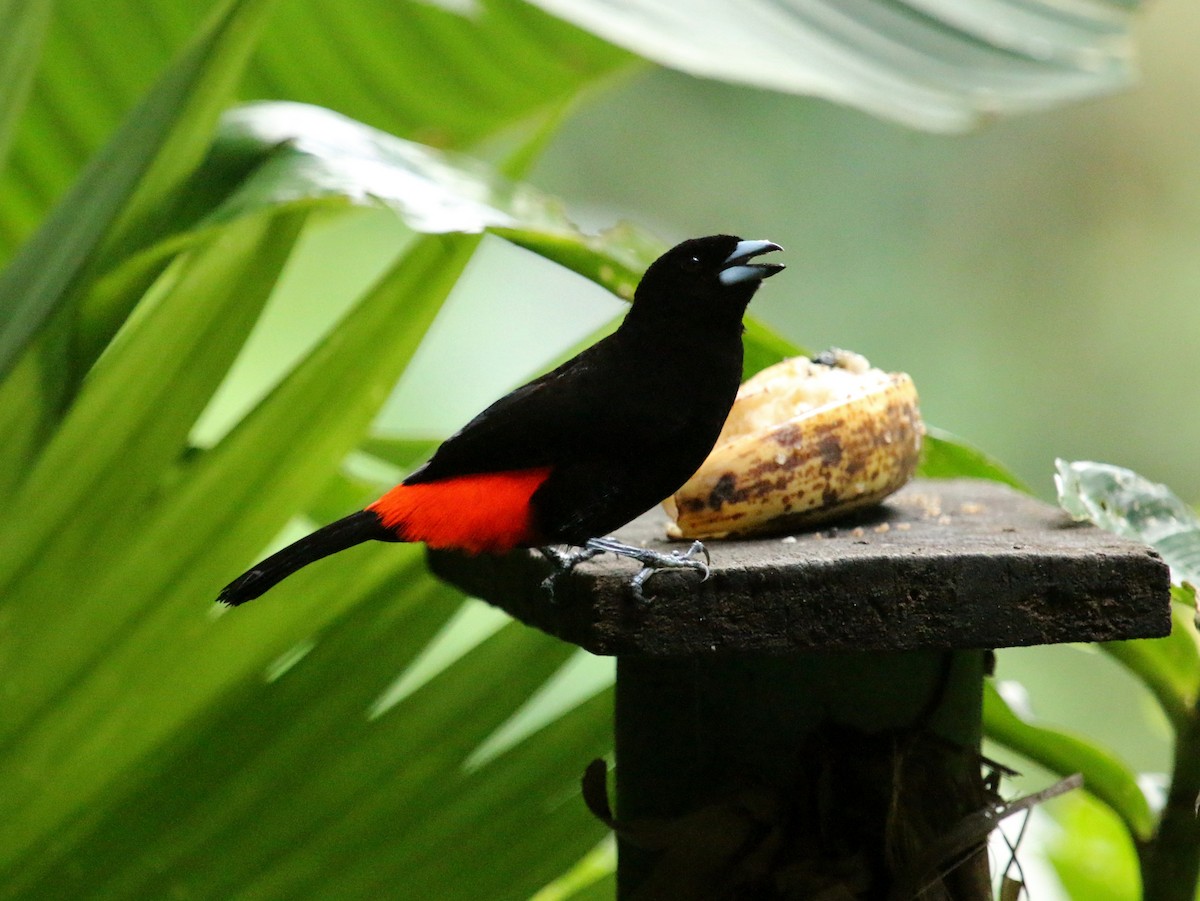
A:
{"points": [[585, 448]]}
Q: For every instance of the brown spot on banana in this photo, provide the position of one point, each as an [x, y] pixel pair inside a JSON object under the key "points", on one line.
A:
{"points": [[805, 442]]}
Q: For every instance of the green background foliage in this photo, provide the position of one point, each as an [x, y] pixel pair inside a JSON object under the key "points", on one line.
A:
{"points": [[210, 340]]}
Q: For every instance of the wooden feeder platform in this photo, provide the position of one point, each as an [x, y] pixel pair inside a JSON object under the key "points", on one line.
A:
{"points": [[807, 720]]}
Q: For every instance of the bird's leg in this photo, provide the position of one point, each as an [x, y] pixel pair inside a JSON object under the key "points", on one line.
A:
{"points": [[652, 561], [563, 562]]}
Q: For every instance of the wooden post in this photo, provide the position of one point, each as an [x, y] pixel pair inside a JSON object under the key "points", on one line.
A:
{"points": [[808, 719], [849, 737]]}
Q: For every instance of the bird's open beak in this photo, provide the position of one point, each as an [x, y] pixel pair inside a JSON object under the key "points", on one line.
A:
{"points": [[737, 268]]}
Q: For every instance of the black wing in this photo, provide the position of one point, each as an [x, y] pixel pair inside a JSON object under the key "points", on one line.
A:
{"points": [[543, 423]]}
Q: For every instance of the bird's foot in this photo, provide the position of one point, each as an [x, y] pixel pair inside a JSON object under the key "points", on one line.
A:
{"points": [[652, 561], [563, 562]]}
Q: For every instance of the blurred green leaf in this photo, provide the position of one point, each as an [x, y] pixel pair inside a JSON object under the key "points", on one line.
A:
{"points": [[127, 181], [449, 75], [84, 637], [24, 25], [1169, 667], [614, 259], [946, 456], [1091, 852], [603, 890], [71, 585], [290, 155], [286, 787], [1104, 775], [591, 877], [311, 153], [310, 156], [274, 461], [454, 74], [297, 155], [764, 347], [343, 492], [403, 453], [141, 400], [25, 420], [943, 65], [1185, 595], [109, 298]]}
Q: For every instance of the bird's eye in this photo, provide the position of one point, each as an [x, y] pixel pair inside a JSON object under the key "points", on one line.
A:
{"points": [[692, 262]]}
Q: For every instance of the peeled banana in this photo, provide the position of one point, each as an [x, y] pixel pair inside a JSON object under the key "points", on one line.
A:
{"points": [[806, 441]]}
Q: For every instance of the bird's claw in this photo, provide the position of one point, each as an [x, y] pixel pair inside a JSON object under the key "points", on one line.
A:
{"points": [[652, 561], [698, 547]]}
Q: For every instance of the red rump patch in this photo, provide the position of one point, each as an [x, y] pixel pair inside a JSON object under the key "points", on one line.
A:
{"points": [[486, 513]]}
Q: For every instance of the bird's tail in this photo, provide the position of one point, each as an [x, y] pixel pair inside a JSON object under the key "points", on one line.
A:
{"points": [[337, 536]]}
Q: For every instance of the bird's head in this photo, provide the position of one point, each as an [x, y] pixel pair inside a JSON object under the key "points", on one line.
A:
{"points": [[705, 276]]}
